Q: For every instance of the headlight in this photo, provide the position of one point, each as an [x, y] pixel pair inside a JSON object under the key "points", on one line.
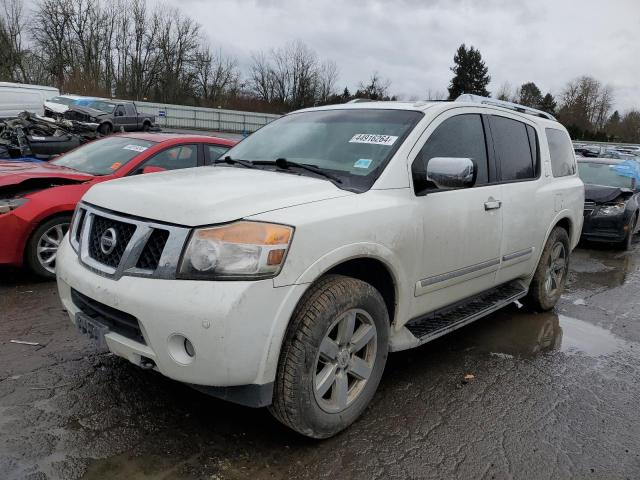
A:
{"points": [[239, 250], [616, 209], [8, 204]]}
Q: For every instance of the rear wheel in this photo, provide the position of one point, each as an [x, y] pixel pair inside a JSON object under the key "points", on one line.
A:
{"points": [[551, 274], [146, 126], [42, 247], [333, 357]]}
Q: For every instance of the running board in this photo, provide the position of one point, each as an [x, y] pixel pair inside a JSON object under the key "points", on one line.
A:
{"points": [[445, 320]]}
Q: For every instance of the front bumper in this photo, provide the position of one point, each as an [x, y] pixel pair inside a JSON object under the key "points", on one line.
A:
{"points": [[13, 235], [605, 228], [236, 327]]}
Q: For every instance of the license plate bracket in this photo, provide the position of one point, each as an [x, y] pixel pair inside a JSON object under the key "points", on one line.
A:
{"points": [[93, 329]]}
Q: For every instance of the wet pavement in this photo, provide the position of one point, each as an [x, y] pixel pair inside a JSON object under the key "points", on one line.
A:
{"points": [[553, 396]]}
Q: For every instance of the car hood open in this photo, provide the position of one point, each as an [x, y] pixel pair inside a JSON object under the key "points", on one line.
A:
{"points": [[209, 195], [12, 173], [604, 194]]}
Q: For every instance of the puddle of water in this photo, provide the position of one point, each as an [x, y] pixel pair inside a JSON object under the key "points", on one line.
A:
{"points": [[522, 334], [602, 266], [585, 338], [147, 467]]}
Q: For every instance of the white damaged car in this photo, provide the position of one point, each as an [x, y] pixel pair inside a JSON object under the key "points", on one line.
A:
{"points": [[283, 275]]}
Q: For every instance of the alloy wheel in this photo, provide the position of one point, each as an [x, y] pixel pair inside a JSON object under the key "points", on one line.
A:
{"points": [[345, 360], [556, 269], [48, 244]]}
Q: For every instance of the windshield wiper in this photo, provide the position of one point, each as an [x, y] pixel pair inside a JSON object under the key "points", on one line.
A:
{"points": [[235, 161], [285, 164]]}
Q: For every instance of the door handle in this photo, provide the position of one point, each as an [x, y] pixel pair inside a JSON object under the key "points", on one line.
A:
{"points": [[492, 204]]}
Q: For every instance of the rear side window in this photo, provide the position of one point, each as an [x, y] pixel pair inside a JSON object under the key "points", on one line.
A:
{"points": [[215, 152], [561, 152], [515, 147], [459, 136], [182, 156]]}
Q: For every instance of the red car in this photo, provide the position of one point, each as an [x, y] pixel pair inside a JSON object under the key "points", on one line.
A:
{"points": [[37, 199]]}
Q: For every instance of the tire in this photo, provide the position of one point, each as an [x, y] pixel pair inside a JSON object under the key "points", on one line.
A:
{"points": [[146, 126], [105, 129], [627, 242], [42, 246], [548, 284], [323, 317]]}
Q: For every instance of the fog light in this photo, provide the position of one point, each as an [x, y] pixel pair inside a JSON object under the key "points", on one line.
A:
{"points": [[188, 347]]}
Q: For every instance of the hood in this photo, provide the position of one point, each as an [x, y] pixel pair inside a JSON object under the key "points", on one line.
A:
{"points": [[604, 194], [88, 111], [56, 107], [209, 195], [13, 173]]}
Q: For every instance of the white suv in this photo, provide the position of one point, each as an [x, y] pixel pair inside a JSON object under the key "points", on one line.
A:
{"points": [[284, 274]]}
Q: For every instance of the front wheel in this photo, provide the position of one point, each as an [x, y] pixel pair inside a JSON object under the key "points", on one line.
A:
{"points": [[551, 274], [105, 129], [628, 240], [332, 358], [42, 247]]}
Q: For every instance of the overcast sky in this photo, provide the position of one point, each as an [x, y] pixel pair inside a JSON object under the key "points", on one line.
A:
{"points": [[412, 42]]}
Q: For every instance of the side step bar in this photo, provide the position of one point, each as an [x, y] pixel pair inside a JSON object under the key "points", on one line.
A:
{"points": [[440, 322]]}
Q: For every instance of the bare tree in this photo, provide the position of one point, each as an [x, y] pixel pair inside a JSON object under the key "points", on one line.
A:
{"points": [[585, 104], [216, 75], [261, 78], [505, 92], [12, 51], [327, 78], [376, 89]]}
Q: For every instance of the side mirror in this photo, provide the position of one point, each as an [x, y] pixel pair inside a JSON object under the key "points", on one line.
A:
{"points": [[153, 169], [451, 172]]}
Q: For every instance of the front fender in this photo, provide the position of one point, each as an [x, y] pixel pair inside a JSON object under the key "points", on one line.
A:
{"points": [[314, 271], [371, 250]]}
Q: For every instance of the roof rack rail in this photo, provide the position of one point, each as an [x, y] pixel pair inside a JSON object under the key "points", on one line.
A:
{"points": [[360, 100], [468, 97]]}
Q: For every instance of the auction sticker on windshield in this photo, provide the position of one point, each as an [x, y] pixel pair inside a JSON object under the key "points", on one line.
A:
{"points": [[373, 139], [135, 148]]}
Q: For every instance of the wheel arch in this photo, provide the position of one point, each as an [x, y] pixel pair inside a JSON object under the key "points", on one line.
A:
{"points": [[349, 260]]}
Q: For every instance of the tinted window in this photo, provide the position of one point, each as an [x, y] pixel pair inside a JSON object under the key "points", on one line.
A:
{"points": [[182, 156], [459, 136], [513, 149], [131, 111], [119, 111], [215, 152], [561, 152]]}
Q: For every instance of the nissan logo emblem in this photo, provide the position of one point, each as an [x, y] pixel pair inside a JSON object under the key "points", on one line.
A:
{"points": [[108, 241]]}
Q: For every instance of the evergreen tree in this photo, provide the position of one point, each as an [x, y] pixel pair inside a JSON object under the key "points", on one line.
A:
{"points": [[548, 104], [470, 73], [530, 95]]}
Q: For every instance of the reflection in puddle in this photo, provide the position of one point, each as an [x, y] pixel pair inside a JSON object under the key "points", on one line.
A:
{"points": [[602, 267], [517, 333]]}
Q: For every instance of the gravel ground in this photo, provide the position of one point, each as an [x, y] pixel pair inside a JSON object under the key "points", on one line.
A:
{"points": [[553, 396]]}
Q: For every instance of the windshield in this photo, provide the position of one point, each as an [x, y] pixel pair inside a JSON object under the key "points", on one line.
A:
{"points": [[353, 144], [604, 174], [104, 156], [62, 100], [101, 105]]}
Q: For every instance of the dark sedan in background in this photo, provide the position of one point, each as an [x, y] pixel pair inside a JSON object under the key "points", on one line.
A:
{"points": [[611, 199]]}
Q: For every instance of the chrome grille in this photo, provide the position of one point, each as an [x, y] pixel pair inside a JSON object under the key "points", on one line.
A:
{"points": [[150, 256], [123, 233], [143, 248], [589, 207]]}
